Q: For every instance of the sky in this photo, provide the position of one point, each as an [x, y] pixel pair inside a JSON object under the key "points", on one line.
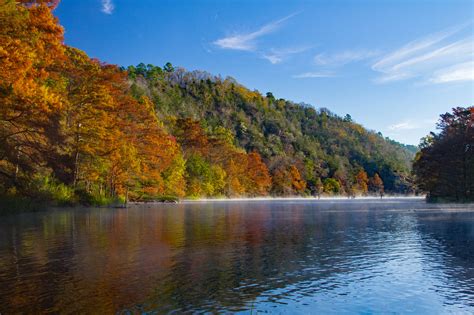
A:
{"points": [[394, 66]]}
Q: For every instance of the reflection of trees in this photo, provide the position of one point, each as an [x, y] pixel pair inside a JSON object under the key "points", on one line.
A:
{"points": [[210, 256], [70, 261], [206, 256], [235, 254]]}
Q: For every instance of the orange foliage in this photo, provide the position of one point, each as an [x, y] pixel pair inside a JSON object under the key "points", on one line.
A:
{"points": [[114, 136], [362, 181], [299, 184], [30, 42], [191, 136], [258, 174]]}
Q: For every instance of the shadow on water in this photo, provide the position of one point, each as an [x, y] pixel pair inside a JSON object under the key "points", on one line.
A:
{"points": [[290, 256]]}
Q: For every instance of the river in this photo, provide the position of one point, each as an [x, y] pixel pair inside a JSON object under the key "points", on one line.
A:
{"points": [[275, 256]]}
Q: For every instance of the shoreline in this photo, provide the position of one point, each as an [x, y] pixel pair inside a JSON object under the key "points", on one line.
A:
{"points": [[335, 198]]}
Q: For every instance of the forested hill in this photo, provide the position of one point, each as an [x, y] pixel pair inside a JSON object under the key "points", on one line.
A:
{"points": [[74, 129], [332, 154]]}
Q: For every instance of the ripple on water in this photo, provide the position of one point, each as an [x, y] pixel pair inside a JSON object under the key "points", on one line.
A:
{"points": [[267, 256]]}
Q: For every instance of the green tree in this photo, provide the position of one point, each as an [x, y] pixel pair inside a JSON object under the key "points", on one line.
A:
{"points": [[168, 67], [331, 186], [444, 167]]}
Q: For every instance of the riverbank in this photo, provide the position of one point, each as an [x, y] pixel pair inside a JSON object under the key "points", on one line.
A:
{"points": [[296, 198]]}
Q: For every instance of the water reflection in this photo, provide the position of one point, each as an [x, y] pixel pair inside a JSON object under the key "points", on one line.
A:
{"points": [[284, 256]]}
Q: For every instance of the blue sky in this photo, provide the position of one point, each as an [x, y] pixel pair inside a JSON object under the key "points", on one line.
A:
{"points": [[393, 65]]}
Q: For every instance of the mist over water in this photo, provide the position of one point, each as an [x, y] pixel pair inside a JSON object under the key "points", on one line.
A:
{"points": [[283, 256]]}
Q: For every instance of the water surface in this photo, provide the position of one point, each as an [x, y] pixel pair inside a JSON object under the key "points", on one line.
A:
{"points": [[362, 256]]}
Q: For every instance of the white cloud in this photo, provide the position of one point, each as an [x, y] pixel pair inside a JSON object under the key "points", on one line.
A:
{"points": [[345, 57], [405, 125], [247, 41], [412, 48], [427, 57], [459, 72], [107, 6], [276, 56], [273, 58], [308, 75]]}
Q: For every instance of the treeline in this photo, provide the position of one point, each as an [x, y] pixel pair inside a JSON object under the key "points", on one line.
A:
{"points": [[74, 129], [444, 167]]}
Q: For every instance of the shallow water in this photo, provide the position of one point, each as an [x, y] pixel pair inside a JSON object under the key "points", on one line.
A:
{"points": [[361, 256]]}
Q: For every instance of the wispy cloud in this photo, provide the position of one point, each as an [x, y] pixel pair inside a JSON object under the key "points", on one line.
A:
{"points": [[427, 57], [459, 72], [107, 6], [248, 41], [275, 56], [413, 47], [345, 57], [309, 75]]}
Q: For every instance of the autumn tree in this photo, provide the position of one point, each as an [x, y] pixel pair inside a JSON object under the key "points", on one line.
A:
{"points": [[287, 180], [30, 43], [362, 182], [156, 151], [376, 185], [281, 182], [297, 182], [259, 178], [234, 183], [191, 136]]}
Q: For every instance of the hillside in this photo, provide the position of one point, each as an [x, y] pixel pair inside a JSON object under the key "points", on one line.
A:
{"points": [[75, 129], [319, 143]]}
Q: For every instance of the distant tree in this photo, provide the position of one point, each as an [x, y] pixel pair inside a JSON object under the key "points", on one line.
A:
{"points": [[281, 183], [174, 177], [362, 182], [299, 185], [168, 67], [132, 72], [153, 73], [191, 136], [235, 186], [331, 186], [260, 180], [270, 97], [348, 118], [376, 185], [141, 69]]}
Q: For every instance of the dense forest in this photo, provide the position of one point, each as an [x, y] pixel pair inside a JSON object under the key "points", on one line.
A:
{"points": [[75, 129], [307, 151], [444, 167]]}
